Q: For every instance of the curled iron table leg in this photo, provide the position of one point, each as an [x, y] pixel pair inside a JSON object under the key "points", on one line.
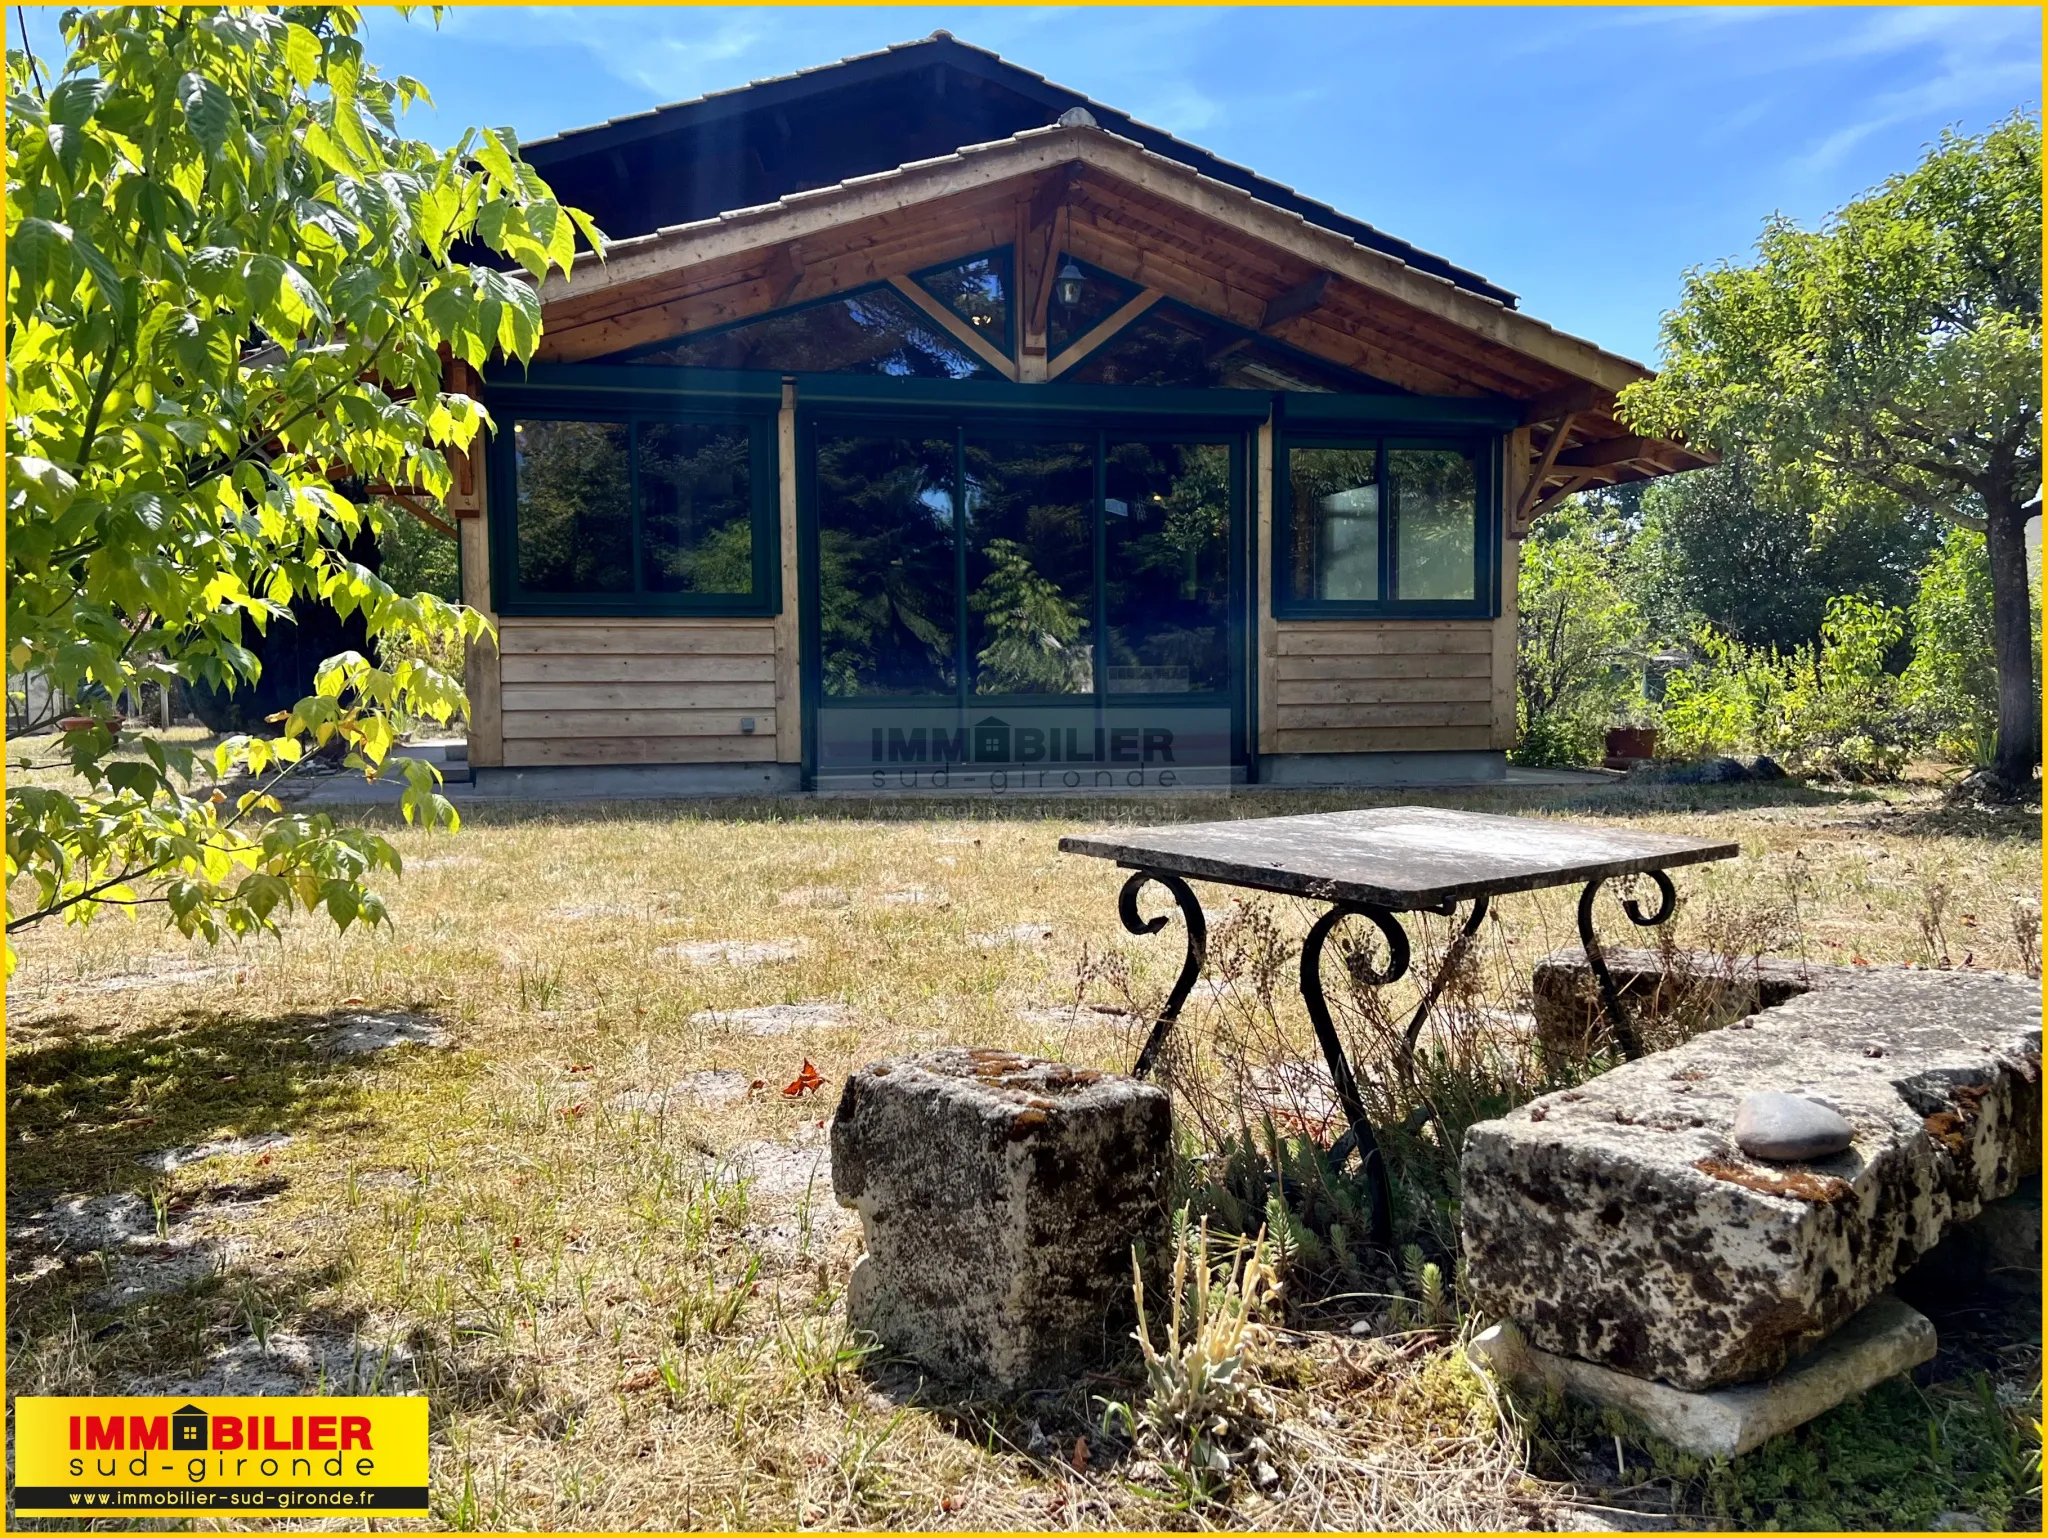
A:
{"points": [[1460, 943], [1360, 1135], [1619, 1025], [1190, 969]]}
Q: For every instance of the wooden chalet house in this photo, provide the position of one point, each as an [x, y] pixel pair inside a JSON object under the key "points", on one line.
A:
{"points": [[930, 425]]}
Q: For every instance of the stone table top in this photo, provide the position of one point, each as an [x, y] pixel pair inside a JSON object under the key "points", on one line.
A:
{"points": [[1396, 857]]}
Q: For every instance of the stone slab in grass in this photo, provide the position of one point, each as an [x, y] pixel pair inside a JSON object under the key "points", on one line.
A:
{"points": [[1000, 1196], [380, 1030], [221, 1148], [734, 953], [285, 1362], [915, 897], [784, 1169], [707, 1087], [776, 1019], [1885, 1339], [167, 977], [1016, 934], [1619, 1223]]}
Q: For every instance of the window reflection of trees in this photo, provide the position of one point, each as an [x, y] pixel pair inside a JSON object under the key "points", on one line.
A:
{"points": [[697, 532], [1335, 528], [1435, 494], [575, 497], [1031, 566], [887, 583], [870, 331], [978, 291], [1167, 524]]}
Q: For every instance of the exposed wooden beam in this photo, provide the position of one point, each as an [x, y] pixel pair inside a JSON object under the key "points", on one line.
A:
{"points": [[956, 327], [405, 501], [785, 270], [1096, 335], [1576, 483], [1041, 297], [1607, 451], [1567, 400], [1538, 475], [1298, 300]]}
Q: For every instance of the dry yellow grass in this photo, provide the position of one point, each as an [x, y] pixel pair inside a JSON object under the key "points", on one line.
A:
{"points": [[620, 1289]]}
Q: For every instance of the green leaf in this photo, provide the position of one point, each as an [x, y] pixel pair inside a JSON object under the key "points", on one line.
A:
{"points": [[302, 55], [74, 101], [40, 251], [104, 276], [209, 114], [492, 155]]}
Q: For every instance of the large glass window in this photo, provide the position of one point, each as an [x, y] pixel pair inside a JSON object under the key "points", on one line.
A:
{"points": [[696, 508], [1022, 565], [1166, 567], [1435, 497], [1031, 566], [888, 583], [645, 515], [1378, 525], [1334, 495], [575, 482]]}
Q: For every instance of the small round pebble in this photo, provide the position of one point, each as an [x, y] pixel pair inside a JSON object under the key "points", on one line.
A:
{"points": [[1781, 1127]]}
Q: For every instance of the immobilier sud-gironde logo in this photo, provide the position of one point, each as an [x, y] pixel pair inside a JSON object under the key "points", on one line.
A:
{"points": [[308, 1456]]}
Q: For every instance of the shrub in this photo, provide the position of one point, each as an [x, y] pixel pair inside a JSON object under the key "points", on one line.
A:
{"points": [[1826, 709], [1580, 641], [1951, 686]]}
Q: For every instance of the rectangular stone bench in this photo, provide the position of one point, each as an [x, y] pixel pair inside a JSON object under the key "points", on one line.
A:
{"points": [[1618, 1223], [1698, 988]]}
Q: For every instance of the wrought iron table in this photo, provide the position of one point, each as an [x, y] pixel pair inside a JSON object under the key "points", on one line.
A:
{"points": [[1377, 864]]}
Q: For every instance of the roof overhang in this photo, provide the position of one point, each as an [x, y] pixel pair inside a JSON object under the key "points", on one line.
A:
{"points": [[1305, 284]]}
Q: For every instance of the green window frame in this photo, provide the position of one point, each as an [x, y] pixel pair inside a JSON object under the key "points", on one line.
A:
{"points": [[1484, 451], [511, 596]]}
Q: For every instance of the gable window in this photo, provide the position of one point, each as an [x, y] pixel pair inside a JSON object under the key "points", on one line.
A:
{"points": [[1098, 296], [640, 514], [977, 290], [1373, 525], [1175, 344], [871, 330]]}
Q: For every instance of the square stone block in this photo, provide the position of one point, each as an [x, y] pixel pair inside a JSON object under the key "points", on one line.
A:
{"points": [[1000, 1196]]}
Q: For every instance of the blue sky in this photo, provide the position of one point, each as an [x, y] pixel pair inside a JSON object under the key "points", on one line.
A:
{"points": [[1582, 157]]}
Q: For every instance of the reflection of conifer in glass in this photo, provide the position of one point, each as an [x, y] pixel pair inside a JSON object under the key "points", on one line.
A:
{"points": [[575, 507], [1033, 631]]}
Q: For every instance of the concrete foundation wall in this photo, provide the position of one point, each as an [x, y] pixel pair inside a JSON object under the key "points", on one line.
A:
{"points": [[1442, 768], [598, 781]]}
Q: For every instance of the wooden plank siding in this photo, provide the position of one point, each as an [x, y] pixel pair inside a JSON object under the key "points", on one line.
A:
{"points": [[637, 691], [1381, 686]]}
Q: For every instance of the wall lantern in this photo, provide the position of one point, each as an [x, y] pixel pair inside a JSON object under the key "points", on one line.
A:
{"points": [[1068, 284]]}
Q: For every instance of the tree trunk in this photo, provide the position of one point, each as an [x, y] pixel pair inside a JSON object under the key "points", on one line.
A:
{"points": [[2012, 635]]}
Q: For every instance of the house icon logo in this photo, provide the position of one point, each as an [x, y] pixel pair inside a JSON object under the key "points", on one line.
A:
{"points": [[188, 1430], [992, 740]]}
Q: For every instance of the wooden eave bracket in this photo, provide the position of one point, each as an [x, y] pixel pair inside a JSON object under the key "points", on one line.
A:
{"points": [[1298, 300]]}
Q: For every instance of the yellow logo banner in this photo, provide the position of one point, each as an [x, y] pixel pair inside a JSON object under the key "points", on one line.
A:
{"points": [[307, 1456]]}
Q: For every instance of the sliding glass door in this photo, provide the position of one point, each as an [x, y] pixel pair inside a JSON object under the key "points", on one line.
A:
{"points": [[1022, 608]]}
